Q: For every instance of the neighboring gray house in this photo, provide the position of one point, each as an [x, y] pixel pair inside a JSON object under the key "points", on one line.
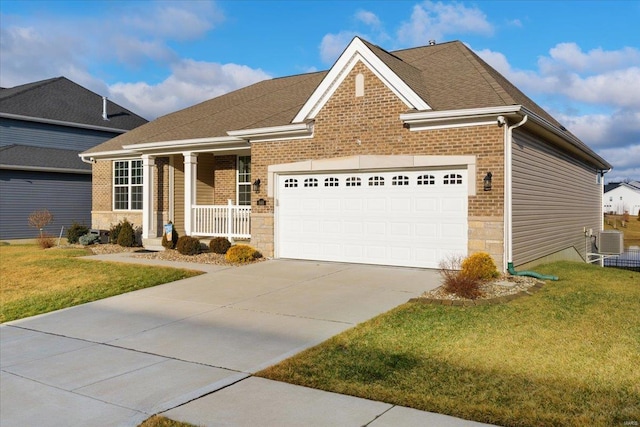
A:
{"points": [[43, 127]]}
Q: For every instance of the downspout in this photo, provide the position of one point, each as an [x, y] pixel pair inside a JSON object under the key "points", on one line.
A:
{"points": [[508, 194], [90, 160]]}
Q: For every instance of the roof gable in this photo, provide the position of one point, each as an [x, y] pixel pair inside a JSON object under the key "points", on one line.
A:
{"points": [[384, 65], [61, 100]]}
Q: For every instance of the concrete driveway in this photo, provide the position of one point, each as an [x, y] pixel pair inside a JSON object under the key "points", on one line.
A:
{"points": [[190, 347]]}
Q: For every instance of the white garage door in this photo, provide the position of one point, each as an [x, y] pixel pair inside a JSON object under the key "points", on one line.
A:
{"points": [[403, 218]]}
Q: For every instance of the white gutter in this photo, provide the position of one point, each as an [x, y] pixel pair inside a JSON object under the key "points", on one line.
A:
{"points": [[182, 143], [296, 130], [60, 123], [423, 117], [508, 194]]}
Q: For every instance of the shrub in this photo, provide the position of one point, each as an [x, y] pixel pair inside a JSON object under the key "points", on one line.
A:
{"points": [[188, 245], [126, 235], [240, 254], [479, 266], [219, 245], [170, 244], [114, 231], [46, 241], [75, 232], [455, 282], [89, 239]]}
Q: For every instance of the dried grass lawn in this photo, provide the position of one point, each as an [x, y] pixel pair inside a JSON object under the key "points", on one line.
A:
{"points": [[566, 356], [35, 281]]}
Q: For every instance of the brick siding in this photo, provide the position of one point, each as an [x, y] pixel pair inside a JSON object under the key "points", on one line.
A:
{"points": [[369, 125]]}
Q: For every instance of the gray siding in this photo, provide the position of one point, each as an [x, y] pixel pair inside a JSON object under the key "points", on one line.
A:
{"points": [[50, 136], [66, 196], [554, 198]]}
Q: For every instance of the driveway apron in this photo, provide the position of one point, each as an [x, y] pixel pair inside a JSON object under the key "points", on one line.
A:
{"points": [[116, 361]]}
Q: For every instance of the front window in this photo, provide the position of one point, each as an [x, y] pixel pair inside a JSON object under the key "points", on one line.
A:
{"points": [[127, 185], [244, 180]]}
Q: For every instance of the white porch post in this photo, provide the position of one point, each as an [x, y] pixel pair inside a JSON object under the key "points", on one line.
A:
{"points": [[147, 195], [190, 173]]}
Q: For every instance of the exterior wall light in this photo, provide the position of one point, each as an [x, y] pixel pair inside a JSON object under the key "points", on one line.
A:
{"points": [[487, 181], [256, 186]]}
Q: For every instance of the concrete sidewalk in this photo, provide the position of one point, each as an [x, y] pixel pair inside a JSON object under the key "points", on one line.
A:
{"points": [[188, 349]]}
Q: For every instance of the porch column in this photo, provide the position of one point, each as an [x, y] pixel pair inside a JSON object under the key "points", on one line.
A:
{"points": [[147, 196], [190, 173]]}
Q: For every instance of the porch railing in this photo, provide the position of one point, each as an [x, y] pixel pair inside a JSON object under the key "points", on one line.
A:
{"points": [[230, 221]]}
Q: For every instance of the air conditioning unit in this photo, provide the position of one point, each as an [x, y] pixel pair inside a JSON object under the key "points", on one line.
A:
{"points": [[610, 242]]}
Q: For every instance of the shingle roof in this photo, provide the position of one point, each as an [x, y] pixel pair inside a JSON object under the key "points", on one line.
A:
{"points": [[21, 156], [61, 99], [447, 76]]}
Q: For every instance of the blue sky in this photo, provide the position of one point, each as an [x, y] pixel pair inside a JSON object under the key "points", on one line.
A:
{"points": [[579, 60]]}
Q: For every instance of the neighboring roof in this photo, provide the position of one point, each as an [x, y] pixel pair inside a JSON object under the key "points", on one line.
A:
{"points": [[611, 186], [447, 76], [61, 100], [634, 186], [22, 157]]}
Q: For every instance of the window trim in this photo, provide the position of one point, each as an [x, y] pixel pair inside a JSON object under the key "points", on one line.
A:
{"points": [[243, 183], [129, 185]]}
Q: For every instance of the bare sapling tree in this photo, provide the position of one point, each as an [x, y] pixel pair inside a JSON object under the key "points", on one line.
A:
{"points": [[40, 219]]}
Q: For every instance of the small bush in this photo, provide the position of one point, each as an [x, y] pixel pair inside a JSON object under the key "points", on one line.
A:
{"points": [[75, 232], [46, 241], [219, 245], [170, 244], [188, 245], [89, 239], [479, 266], [126, 235], [240, 254], [455, 282], [114, 232]]}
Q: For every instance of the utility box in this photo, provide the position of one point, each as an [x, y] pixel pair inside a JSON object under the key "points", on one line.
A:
{"points": [[103, 235], [610, 242]]}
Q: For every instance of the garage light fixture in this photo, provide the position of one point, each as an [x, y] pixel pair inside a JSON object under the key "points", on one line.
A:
{"points": [[256, 186], [487, 181]]}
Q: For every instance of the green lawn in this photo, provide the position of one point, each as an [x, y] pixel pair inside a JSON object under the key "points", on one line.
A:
{"points": [[567, 356], [35, 281]]}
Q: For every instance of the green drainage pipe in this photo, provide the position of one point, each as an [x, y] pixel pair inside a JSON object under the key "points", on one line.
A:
{"points": [[513, 272]]}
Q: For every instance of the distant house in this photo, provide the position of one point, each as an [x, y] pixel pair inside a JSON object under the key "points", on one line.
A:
{"points": [[43, 127], [622, 197], [396, 158]]}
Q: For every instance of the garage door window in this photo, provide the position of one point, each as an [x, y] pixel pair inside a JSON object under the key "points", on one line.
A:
{"points": [[353, 181], [310, 182], [331, 182], [376, 181], [291, 183], [426, 180], [452, 178], [400, 180]]}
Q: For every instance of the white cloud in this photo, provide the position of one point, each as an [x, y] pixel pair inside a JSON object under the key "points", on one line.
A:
{"points": [[190, 83], [332, 45], [368, 18], [433, 20], [572, 75], [174, 20]]}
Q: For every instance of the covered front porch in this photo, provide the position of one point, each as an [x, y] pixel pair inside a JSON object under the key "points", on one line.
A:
{"points": [[204, 193]]}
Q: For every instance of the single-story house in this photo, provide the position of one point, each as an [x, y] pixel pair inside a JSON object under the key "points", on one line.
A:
{"points": [[398, 158], [43, 127], [622, 197]]}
